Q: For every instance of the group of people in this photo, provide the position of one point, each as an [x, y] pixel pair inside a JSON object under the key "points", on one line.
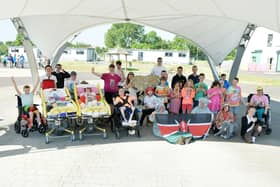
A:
{"points": [[184, 95], [12, 61]]}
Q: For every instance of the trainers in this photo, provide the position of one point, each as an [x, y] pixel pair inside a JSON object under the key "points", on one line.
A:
{"points": [[253, 139]]}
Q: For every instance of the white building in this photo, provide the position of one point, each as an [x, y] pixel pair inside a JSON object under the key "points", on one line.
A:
{"points": [[69, 54], [79, 54], [263, 51], [144, 55]]}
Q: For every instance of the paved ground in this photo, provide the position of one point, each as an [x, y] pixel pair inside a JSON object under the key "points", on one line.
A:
{"points": [[131, 161]]}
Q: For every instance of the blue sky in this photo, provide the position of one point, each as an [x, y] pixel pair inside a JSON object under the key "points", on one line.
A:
{"points": [[93, 36]]}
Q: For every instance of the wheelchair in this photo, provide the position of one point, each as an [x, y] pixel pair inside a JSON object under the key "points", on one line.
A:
{"points": [[119, 124], [21, 124], [266, 118]]}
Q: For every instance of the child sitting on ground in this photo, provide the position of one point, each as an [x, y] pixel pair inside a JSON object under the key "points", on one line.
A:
{"points": [[150, 104], [27, 101]]}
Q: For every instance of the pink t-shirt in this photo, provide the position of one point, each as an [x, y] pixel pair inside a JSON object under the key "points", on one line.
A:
{"points": [[261, 101], [111, 81]]}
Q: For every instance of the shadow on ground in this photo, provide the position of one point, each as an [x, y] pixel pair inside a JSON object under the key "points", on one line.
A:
{"points": [[12, 144]]}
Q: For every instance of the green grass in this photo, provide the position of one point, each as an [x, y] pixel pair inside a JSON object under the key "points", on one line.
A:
{"points": [[146, 67]]}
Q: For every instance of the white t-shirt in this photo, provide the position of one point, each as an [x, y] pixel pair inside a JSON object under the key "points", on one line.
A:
{"points": [[157, 70], [150, 101]]}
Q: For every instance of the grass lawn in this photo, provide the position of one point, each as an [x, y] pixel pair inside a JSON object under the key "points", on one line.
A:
{"points": [[146, 67]]}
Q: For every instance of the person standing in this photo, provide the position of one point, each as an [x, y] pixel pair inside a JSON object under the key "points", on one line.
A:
{"points": [[179, 77], [175, 99], [120, 72], [234, 96], [21, 60], [158, 68], [194, 76], [215, 96], [111, 81], [60, 75], [223, 78], [200, 89]]}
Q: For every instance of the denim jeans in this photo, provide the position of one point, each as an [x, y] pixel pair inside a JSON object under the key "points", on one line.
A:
{"points": [[234, 110]]}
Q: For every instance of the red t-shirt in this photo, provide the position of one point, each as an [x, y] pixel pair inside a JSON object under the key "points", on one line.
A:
{"points": [[111, 81]]}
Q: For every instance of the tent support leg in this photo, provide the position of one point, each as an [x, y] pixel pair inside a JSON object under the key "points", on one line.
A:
{"points": [[58, 54], [213, 68], [28, 47], [236, 63], [248, 32]]}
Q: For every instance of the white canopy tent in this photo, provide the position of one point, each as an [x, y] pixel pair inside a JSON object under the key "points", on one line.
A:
{"points": [[216, 26]]}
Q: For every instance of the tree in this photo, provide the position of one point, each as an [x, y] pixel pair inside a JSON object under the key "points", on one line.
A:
{"points": [[124, 35], [3, 49], [180, 43], [80, 45], [19, 40], [231, 55]]}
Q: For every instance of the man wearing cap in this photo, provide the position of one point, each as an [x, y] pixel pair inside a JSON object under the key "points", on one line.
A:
{"points": [[261, 103]]}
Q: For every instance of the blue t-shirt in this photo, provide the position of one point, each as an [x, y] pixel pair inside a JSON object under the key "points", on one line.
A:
{"points": [[226, 84], [27, 99]]}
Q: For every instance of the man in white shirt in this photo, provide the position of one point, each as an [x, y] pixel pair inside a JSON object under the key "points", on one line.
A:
{"points": [[158, 68]]}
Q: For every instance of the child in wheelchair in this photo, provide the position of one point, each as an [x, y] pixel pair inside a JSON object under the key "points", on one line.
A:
{"points": [[124, 102], [28, 110], [125, 113]]}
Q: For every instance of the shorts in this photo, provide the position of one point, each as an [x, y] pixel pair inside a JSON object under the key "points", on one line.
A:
{"points": [[109, 97], [187, 107], [27, 109]]}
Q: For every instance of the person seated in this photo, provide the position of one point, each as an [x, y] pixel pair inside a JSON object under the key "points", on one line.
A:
{"points": [[261, 103], [250, 126], [225, 123], [88, 98], [162, 91], [150, 104], [27, 101], [202, 107], [124, 103]]}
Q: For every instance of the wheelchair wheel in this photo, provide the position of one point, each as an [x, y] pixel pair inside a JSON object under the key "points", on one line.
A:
{"points": [[79, 121], [17, 127], [42, 128], [25, 133]]}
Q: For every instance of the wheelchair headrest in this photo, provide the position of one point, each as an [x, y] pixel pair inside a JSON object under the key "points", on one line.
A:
{"points": [[251, 95], [200, 118], [81, 88]]}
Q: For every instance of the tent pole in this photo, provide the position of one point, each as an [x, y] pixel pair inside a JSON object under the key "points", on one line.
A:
{"points": [[28, 46], [58, 54], [248, 32], [213, 68]]}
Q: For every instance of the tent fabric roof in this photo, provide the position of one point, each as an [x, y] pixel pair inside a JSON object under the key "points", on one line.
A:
{"points": [[214, 25]]}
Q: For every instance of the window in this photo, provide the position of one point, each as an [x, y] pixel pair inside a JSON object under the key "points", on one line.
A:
{"points": [[269, 40], [168, 54], [80, 52], [67, 52], [14, 50], [182, 55]]}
